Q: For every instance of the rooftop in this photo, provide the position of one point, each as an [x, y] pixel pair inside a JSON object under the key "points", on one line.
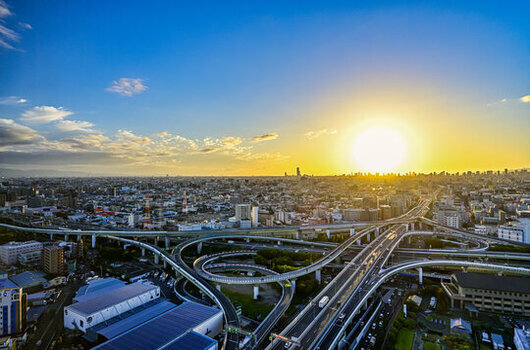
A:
{"points": [[5, 283], [97, 286], [102, 301], [26, 278], [493, 282], [153, 334]]}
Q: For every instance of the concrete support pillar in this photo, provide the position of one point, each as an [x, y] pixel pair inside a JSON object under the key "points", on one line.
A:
{"points": [[143, 251], [352, 232], [298, 235], [218, 287], [157, 259], [166, 240], [407, 228], [199, 248], [51, 236], [66, 237], [410, 239], [368, 237], [376, 231], [279, 242], [293, 285], [156, 241], [328, 234], [93, 241], [247, 240], [78, 238], [412, 226], [256, 292], [165, 264], [420, 272], [318, 276], [358, 242]]}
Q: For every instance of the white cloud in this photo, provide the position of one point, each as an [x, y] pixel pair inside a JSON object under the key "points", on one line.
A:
{"points": [[25, 25], [525, 99], [317, 133], [12, 100], [13, 134], [74, 125], [265, 137], [127, 86], [45, 114], [4, 10]]}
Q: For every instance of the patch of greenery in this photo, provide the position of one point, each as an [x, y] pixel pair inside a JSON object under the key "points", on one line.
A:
{"points": [[431, 346], [404, 340], [249, 306]]}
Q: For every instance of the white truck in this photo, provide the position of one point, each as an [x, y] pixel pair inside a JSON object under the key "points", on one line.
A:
{"points": [[323, 301]]}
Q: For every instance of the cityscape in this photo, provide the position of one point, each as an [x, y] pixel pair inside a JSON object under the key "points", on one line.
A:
{"points": [[298, 175]]}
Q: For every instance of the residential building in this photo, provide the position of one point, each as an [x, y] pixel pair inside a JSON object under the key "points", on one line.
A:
{"points": [[9, 252], [53, 259], [243, 212]]}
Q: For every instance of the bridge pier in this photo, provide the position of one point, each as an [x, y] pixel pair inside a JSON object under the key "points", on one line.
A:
{"points": [[412, 226], [218, 287], [368, 237], [359, 241], [328, 234], [157, 259], [420, 273], [165, 264], [318, 276], [143, 251], [410, 239], [166, 241], [352, 232], [407, 228], [256, 292], [247, 240], [376, 231], [156, 241], [199, 247], [51, 236], [78, 238], [293, 285], [279, 242], [93, 241], [297, 235], [66, 237]]}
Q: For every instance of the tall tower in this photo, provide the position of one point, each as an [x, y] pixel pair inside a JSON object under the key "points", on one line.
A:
{"points": [[185, 203], [298, 171], [147, 209]]}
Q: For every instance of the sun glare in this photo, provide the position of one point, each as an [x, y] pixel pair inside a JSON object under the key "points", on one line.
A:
{"points": [[379, 150]]}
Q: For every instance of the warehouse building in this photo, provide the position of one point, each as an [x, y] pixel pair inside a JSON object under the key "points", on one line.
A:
{"points": [[104, 306], [187, 326]]}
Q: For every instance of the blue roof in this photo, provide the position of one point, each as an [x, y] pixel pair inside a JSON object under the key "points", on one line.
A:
{"points": [[154, 333], [102, 301], [191, 341], [96, 287], [135, 317], [29, 277], [6, 283]]}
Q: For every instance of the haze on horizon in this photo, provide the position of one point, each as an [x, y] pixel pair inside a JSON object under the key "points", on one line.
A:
{"points": [[239, 88]]}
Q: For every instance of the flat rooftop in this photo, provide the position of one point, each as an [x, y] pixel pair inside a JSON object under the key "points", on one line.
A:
{"points": [[493, 282]]}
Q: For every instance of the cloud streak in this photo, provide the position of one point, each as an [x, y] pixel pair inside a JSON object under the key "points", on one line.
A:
{"points": [[14, 134], [12, 100], [127, 86], [266, 137], [323, 132], [525, 99]]}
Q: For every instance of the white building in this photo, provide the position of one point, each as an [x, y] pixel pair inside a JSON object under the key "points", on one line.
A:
{"points": [[519, 232], [9, 252], [254, 216], [11, 311], [103, 306], [243, 212]]}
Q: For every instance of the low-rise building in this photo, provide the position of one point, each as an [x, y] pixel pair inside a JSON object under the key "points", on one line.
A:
{"points": [[492, 293], [10, 252]]}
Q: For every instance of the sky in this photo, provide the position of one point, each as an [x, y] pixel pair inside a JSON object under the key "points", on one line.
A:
{"points": [[260, 88]]}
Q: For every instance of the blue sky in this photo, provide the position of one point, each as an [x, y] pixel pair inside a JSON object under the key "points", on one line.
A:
{"points": [[211, 71]]}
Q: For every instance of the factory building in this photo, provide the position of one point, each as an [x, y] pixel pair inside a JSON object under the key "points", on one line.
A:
{"points": [[104, 306]]}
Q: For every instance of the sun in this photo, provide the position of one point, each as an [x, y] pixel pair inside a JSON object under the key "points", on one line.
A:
{"points": [[379, 149]]}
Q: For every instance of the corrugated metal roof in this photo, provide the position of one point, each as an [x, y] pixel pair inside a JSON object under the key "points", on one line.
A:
{"points": [[136, 318], [99, 286], [113, 297], [162, 330], [191, 341], [27, 278], [5, 283]]}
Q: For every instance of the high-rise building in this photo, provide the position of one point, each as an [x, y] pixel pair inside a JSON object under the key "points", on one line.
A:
{"points": [[254, 215], [243, 212], [53, 260], [11, 307], [298, 171]]}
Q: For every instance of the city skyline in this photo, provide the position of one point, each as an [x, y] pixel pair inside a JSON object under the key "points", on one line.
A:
{"points": [[260, 89]]}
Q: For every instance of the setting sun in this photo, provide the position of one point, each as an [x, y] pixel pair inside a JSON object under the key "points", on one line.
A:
{"points": [[379, 149]]}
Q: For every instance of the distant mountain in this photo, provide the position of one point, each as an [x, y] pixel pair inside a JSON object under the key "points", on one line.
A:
{"points": [[41, 173]]}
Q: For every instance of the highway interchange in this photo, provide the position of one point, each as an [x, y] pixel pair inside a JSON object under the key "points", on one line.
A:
{"points": [[315, 327]]}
